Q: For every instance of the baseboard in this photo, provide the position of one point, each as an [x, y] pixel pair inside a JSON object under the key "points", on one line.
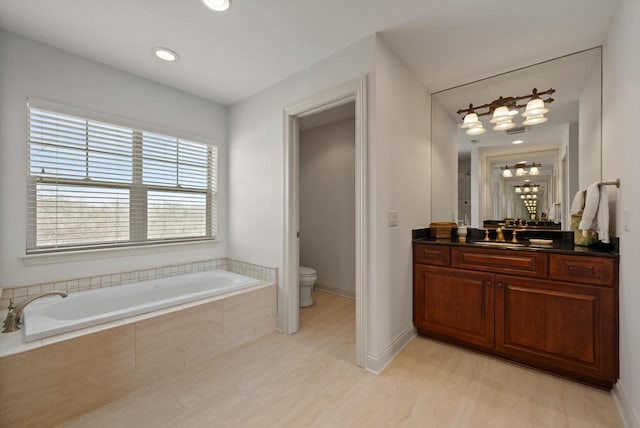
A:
{"points": [[336, 290], [377, 363], [628, 416]]}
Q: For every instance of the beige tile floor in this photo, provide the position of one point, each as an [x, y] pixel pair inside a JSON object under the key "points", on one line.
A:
{"points": [[309, 380]]}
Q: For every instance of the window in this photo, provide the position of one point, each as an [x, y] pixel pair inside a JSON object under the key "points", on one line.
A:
{"points": [[93, 184]]}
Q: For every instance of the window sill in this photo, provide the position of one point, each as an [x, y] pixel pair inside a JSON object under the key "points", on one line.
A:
{"points": [[106, 253]]}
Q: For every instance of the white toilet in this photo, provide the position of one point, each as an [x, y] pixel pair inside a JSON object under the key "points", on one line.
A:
{"points": [[307, 277]]}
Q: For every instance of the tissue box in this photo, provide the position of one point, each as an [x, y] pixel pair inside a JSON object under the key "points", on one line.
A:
{"points": [[442, 229]]}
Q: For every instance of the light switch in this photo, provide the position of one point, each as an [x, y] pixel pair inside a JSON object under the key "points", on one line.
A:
{"points": [[392, 217], [627, 220]]}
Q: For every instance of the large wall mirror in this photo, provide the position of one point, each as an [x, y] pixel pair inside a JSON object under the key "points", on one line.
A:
{"points": [[550, 153]]}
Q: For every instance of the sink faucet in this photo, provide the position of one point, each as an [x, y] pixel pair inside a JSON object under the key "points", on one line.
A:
{"points": [[499, 235], [12, 321]]}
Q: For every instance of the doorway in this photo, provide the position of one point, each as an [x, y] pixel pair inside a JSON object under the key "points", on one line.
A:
{"points": [[354, 92]]}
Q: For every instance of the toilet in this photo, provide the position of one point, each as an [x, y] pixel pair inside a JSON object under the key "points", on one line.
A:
{"points": [[307, 278]]}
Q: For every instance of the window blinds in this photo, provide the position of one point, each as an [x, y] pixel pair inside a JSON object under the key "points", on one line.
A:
{"points": [[93, 184]]}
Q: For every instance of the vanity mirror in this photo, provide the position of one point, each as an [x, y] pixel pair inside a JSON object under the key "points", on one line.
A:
{"points": [[522, 142]]}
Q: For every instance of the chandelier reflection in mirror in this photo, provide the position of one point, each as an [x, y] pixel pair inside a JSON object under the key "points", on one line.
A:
{"points": [[521, 169], [504, 109], [526, 188]]}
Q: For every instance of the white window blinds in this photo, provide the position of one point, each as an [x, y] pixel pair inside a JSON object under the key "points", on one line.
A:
{"points": [[93, 184]]}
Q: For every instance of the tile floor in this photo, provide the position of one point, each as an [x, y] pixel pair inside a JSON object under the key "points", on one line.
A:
{"points": [[309, 380]]}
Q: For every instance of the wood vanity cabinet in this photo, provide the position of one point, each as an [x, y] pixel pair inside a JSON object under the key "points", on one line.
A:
{"points": [[454, 303], [557, 312]]}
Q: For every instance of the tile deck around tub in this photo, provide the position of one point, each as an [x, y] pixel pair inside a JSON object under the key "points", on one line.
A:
{"points": [[50, 384], [13, 343]]}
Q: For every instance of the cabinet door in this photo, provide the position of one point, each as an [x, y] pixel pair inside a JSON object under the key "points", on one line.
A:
{"points": [[557, 325], [454, 303]]}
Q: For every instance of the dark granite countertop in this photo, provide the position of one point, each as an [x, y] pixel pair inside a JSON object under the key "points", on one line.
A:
{"points": [[562, 244]]}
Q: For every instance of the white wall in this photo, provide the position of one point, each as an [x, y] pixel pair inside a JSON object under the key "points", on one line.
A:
{"points": [[621, 153], [256, 153], [589, 132], [398, 175], [402, 182], [444, 160], [327, 205], [32, 69]]}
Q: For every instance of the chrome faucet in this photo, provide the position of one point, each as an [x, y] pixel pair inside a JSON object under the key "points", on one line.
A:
{"points": [[12, 321]]}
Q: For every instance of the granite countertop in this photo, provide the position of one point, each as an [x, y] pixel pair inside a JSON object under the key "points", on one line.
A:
{"points": [[475, 239]]}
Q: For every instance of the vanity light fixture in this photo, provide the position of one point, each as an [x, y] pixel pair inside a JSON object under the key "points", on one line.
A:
{"points": [[504, 109], [217, 5], [521, 169], [526, 188], [165, 54]]}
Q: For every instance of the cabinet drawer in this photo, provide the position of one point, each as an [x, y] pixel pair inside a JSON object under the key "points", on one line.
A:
{"points": [[438, 255], [588, 270], [501, 261]]}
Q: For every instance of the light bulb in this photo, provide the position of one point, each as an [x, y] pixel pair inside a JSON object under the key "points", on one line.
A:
{"points": [[217, 5], [165, 54]]}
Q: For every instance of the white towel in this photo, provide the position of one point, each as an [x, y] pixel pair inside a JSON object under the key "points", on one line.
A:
{"points": [[578, 202], [590, 212], [596, 212], [603, 216]]}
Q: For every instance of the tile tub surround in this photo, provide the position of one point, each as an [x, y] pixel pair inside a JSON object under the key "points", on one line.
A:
{"points": [[72, 285], [54, 383]]}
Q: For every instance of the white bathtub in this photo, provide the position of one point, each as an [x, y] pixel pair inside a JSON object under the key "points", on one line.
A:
{"points": [[53, 315]]}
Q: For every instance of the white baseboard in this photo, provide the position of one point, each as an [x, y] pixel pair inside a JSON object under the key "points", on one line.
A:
{"points": [[336, 290], [377, 363], [629, 417]]}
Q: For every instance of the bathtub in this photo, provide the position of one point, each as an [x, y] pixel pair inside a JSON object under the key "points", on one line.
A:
{"points": [[54, 315]]}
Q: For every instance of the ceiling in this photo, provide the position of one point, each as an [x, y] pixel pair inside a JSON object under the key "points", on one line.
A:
{"points": [[225, 57]]}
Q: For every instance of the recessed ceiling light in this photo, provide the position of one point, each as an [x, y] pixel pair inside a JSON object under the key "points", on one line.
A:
{"points": [[165, 54], [517, 142], [217, 5]]}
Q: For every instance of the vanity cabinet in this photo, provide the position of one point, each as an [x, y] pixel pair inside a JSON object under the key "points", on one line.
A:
{"points": [[454, 303], [556, 312]]}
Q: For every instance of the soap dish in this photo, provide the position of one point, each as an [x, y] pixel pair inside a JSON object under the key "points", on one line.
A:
{"points": [[541, 242]]}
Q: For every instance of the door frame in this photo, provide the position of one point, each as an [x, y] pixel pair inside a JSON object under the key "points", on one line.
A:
{"points": [[355, 91]]}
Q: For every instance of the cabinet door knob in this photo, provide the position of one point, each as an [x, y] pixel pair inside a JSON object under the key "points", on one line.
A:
{"points": [[500, 285]]}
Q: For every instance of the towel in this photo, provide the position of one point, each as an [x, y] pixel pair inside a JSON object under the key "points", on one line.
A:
{"points": [[603, 216], [578, 202], [595, 215]]}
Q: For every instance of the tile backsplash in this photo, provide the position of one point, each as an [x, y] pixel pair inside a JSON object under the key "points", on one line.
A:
{"points": [[120, 278]]}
